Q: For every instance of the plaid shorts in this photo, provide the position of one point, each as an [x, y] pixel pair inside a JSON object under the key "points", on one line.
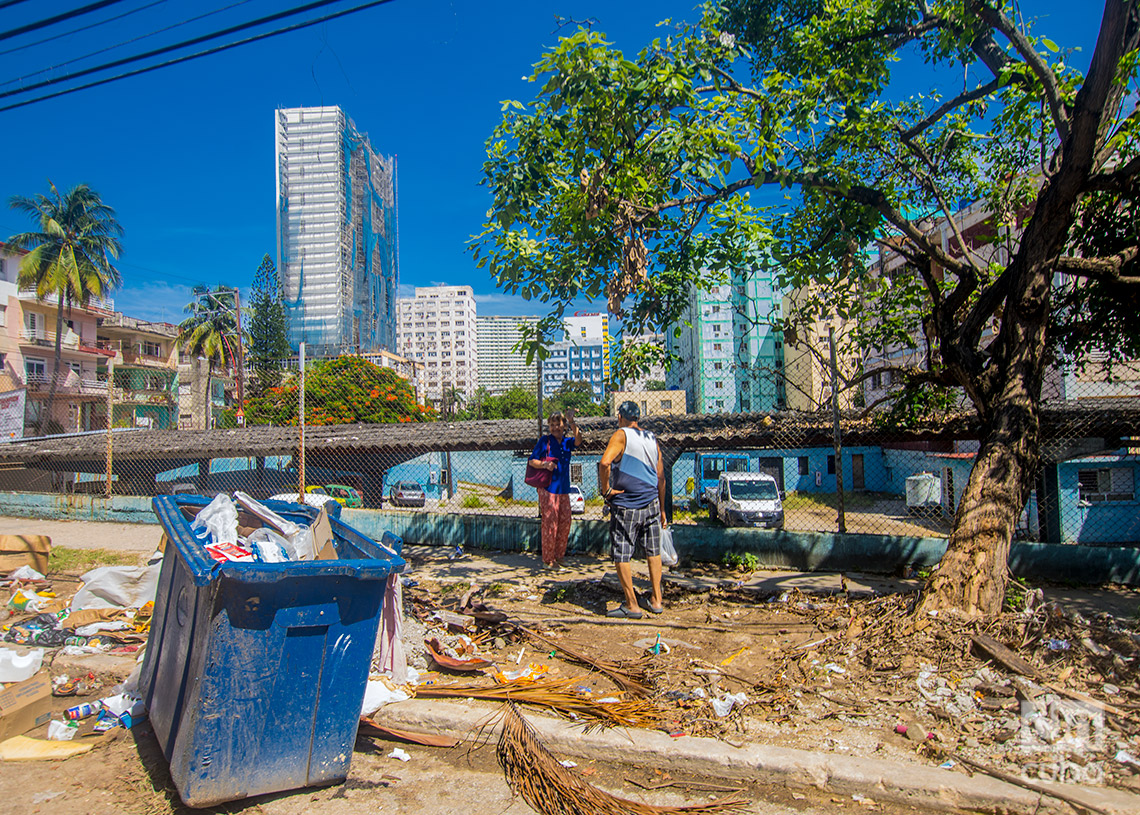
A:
{"points": [[635, 529]]}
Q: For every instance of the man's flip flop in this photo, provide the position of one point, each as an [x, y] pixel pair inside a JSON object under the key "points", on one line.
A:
{"points": [[652, 609], [622, 611]]}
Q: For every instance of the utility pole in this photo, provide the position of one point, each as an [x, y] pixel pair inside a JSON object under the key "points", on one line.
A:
{"points": [[841, 518], [240, 415]]}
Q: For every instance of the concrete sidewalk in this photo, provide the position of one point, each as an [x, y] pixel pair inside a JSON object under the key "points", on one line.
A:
{"points": [[916, 785]]}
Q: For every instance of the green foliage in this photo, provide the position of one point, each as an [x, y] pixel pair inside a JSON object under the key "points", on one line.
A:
{"points": [[577, 395], [1015, 593], [343, 390], [210, 330], [742, 561], [517, 402], [655, 385], [472, 501], [268, 337]]}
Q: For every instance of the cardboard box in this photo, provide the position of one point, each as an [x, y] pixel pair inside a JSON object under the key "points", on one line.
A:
{"points": [[26, 705], [323, 536], [24, 550]]}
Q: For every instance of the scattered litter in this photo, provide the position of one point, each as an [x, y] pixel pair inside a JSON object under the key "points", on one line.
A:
{"points": [[724, 704], [400, 754], [527, 674], [1057, 645], [728, 660], [380, 692], [568, 763], [61, 731]]}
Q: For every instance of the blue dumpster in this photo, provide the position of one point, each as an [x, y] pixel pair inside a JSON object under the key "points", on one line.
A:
{"points": [[254, 673]]}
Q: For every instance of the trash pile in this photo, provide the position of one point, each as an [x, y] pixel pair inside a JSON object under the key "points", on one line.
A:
{"points": [[264, 537], [1041, 694]]}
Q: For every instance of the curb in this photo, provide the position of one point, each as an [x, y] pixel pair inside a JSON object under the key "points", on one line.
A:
{"points": [[911, 784]]}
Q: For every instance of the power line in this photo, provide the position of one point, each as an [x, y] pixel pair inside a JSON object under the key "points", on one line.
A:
{"points": [[124, 42], [167, 48], [87, 27], [188, 57], [24, 29]]}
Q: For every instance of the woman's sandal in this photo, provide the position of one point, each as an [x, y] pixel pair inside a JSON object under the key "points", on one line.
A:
{"points": [[622, 611]]}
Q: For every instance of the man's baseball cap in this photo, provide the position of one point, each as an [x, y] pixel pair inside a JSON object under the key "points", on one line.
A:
{"points": [[630, 411]]}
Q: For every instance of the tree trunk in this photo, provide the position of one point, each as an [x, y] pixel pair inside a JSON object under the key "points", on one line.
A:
{"points": [[970, 580]]}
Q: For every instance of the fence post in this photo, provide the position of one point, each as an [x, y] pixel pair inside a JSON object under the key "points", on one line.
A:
{"points": [[841, 518], [110, 419], [301, 425]]}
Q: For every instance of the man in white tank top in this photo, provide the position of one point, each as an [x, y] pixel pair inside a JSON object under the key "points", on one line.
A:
{"points": [[631, 476]]}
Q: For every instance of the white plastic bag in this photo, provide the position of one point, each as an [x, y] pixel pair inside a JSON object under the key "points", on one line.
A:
{"points": [[286, 528], [269, 547], [668, 553], [220, 518], [117, 587]]}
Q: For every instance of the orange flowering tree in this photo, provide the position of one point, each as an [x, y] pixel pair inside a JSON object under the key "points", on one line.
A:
{"points": [[344, 390]]}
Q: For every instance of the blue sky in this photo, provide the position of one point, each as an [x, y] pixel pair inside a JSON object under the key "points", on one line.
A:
{"points": [[185, 154]]}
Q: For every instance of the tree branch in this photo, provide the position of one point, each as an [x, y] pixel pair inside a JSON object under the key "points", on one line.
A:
{"points": [[1121, 179], [998, 20], [961, 99], [1103, 268]]}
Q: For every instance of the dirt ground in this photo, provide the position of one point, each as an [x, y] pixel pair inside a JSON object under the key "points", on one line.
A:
{"points": [[825, 662]]}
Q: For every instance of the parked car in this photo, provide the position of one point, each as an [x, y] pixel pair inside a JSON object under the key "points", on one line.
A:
{"points": [[747, 499], [406, 494], [346, 496], [577, 500], [316, 489], [313, 499]]}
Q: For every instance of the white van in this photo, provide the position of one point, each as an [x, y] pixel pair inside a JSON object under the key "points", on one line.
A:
{"points": [[747, 499]]}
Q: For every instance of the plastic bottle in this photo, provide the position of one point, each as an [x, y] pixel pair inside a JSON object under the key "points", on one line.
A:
{"points": [[84, 710]]}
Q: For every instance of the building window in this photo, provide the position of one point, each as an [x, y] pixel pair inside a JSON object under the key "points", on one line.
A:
{"points": [[720, 404], [718, 346], [831, 465], [876, 381], [718, 385], [3, 316], [1106, 484], [666, 404], [718, 366], [805, 468], [35, 369], [152, 349]]}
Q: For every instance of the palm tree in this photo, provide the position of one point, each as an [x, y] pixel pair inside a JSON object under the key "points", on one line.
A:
{"points": [[70, 256], [211, 330]]}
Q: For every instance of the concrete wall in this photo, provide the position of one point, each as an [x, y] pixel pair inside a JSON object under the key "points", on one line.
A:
{"points": [[773, 549]]}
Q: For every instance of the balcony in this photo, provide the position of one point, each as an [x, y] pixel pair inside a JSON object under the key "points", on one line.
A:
{"points": [[70, 341], [97, 305], [143, 397], [147, 360], [68, 383]]}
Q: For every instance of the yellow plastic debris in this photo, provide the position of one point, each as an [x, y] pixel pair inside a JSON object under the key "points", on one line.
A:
{"points": [[22, 748]]}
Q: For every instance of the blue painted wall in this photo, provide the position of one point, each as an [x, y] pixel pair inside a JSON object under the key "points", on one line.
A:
{"points": [[1100, 522]]}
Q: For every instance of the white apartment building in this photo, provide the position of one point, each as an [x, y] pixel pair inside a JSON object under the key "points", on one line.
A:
{"points": [[587, 325], [500, 366], [438, 327], [337, 252]]}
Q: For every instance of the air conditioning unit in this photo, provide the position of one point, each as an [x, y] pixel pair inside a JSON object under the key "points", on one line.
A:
{"points": [[923, 491]]}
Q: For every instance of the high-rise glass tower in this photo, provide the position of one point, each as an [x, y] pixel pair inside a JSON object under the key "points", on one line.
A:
{"points": [[337, 249]]}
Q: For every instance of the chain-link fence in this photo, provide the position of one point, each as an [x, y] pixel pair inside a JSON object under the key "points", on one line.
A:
{"points": [[371, 439]]}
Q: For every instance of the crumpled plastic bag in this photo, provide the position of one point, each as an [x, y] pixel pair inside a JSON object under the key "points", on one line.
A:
{"points": [[378, 693], [219, 518], [270, 547], [724, 704], [117, 587]]}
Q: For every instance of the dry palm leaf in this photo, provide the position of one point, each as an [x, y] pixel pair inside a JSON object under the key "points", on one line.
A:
{"points": [[631, 678], [558, 695], [549, 788]]}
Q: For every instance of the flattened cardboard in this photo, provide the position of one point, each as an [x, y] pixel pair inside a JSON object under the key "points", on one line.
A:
{"points": [[24, 550], [323, 536], [25, 705]]}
